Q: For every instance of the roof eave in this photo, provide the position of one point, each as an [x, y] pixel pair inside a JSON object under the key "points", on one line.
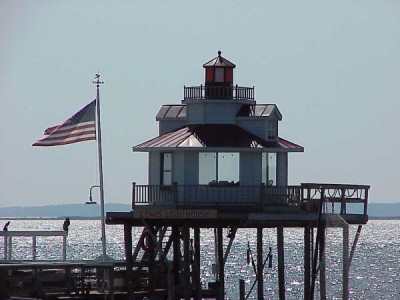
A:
{"points": [[215, 149]]}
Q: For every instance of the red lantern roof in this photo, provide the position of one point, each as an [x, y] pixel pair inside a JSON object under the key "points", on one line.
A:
{"points": [[219, 61]]}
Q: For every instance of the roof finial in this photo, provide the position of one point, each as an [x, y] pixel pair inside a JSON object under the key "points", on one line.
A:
{"points": [[221, 60]]}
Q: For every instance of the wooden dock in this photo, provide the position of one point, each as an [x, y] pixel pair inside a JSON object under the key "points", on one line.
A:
{"points": [[62, 279]]}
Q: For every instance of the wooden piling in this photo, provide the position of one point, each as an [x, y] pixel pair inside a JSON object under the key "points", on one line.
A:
{"points": [[186, 263], [152, 267], [221, 272], [241, 289], [307, 261], [176, 254], [260, 271], [129, 259], [322, 269], [346, 263], [196, 264], [281, 262]]}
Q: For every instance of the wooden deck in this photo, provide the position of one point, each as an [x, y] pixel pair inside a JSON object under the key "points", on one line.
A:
{"points": [[265, 206], [76, 280], [61, 279]]}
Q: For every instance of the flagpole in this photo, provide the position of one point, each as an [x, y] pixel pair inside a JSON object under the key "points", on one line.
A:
{"points": [[100, 157]]}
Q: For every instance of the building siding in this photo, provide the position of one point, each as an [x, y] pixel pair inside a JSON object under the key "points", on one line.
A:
{"points": [[154, 168], [250, 169], [192, 168], [256, 126], [178, 167], [165, 126], [282, 169]]}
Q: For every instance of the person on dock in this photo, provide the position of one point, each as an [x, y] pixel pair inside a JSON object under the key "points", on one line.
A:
{"points": [[5, 228], [66, 224]]}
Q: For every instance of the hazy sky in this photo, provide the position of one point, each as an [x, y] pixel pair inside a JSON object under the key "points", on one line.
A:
{"points": [[332, 67]]}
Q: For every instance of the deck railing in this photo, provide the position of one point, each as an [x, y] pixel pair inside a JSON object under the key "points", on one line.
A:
{"points": [[209, 195], [8, 245], [219, 92], [336, 197]]}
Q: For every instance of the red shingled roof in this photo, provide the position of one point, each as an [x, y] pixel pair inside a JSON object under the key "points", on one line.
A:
{"points": [[215, 136]]}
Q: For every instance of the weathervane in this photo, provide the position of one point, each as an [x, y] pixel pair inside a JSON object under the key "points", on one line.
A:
{"points": [[97, 81]]}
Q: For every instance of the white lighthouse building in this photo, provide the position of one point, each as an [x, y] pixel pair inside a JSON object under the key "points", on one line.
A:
{"points": [[218, 146]]}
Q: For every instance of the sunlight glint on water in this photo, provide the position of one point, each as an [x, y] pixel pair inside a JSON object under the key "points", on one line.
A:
{"points": [[374, 273]]}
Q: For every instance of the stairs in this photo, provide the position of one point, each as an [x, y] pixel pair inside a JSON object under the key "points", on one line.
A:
{"points": [[145, 249]]}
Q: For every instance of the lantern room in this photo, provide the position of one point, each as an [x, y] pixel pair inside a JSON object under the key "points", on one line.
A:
{"points": [[219, 77]]}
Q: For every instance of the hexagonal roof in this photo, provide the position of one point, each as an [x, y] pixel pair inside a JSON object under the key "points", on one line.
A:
{"points": [[219, 61]]}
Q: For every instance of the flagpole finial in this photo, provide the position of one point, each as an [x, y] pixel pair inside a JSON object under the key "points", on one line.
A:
{"points": [[97, 81]]}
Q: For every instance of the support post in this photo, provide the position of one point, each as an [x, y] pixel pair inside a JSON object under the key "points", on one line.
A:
{"points": [[221, 268], [34, 248], [260, 271], [64, 249], [366, 201], [176, 254], [186, 261], [241, 289], [343, 201], [5, 247], [129, 259], [152, 266], [196, 265], [9, 254], [281, 263], [133, 194], [345, 263], [322, 262], [307, 261], [353, 248]]}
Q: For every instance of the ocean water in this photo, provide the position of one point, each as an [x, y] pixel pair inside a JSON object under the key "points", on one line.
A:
{"points": [[374, 272]]}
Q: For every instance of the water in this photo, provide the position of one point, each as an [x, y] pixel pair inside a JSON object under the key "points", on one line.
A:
{"points": [[374, 273]]}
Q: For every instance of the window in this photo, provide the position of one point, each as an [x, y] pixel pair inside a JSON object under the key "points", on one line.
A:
{"points": [[218, 168], [166, 169], [272, 130], [269, 168], [219, 75]]}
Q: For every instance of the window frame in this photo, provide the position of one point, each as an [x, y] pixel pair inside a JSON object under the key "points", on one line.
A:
{"points": [[272, 131], [217, 171], [164, 170]]}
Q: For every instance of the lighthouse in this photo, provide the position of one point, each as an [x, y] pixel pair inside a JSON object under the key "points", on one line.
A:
{"points": [[220, 162], [217, 139]]}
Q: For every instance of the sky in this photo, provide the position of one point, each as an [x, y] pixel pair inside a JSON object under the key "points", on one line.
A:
{"points": [[332, 68]]}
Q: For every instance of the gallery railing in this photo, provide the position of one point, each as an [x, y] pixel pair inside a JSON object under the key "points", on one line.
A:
{"points": [[215, 194], [337, 198], [219, 92]]}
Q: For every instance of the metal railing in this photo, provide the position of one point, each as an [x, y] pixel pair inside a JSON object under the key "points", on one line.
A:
{"points": [[8, 245], [219, 92], [209, 195], [336, 197]]}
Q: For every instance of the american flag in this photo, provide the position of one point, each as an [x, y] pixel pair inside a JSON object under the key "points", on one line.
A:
{"points": [[80, 127]]}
